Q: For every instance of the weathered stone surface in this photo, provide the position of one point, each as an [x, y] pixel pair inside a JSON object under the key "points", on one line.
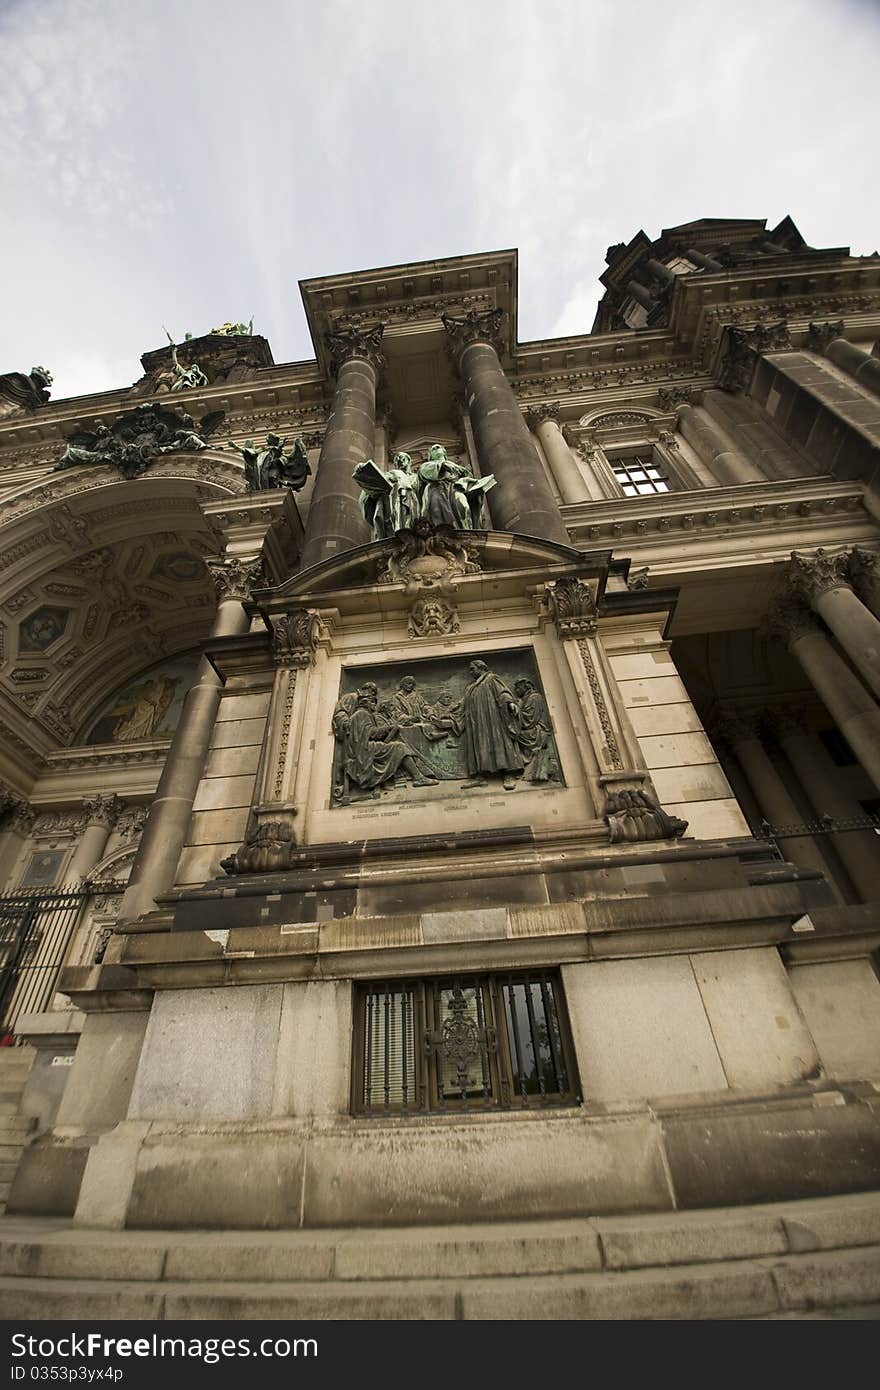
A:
{"points": [[840, 1001], [689, 1238], [100, 1080], [841, 1276], [432, 1252]]}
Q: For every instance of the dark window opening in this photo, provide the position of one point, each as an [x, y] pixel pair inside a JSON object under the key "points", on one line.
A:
{"points": [[462, 1043], [837, 747]]}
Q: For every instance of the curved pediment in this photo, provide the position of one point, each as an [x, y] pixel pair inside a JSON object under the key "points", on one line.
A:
{"points": [[428, 555]]}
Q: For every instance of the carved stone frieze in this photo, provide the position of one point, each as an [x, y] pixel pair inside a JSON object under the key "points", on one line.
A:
{"points": [[819, 335], [572, 607], [476, 326], [426, 556], [432, 616], [344, 344], [638, 578], [410, 309], [131, 821], [742, 348], [234, 578], [295, 637], [137, 437]]}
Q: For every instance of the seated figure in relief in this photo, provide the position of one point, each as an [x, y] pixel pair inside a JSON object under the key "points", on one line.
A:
{"points": [[371, 752], [389, 499], [451, 495]]}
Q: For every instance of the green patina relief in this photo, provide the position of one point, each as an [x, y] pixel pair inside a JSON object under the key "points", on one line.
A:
{"points": [[433, 727]]}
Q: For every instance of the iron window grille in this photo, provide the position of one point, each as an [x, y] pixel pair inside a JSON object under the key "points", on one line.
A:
{"points": [[464, 1043], [639, 476]]}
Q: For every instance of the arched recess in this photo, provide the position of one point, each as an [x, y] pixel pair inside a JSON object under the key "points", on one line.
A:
{"points": [[100, 578]]}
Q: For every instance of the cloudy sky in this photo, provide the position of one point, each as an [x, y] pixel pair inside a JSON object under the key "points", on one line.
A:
{"points": [[182, 163]]}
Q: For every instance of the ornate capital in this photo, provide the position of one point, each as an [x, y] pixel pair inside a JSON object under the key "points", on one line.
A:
{"points": [[101, 810], [864, 566], [670, 397], [742, 348], [295, 637], [819, 335], [344, 344], [732, 726], [537, 414], [789, 619], [572, 607], [476, 326], [814, 574], [234, 578], [785, 721]]}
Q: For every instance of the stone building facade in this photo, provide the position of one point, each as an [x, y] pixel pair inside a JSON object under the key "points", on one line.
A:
{"points": [[497, 842]]}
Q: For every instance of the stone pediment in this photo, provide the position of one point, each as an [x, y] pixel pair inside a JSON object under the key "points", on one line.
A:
{"points": [[433, 558]]}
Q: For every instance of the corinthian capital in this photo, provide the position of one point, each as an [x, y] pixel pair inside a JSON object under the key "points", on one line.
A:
{"points": [[477, 326], [819, 335], [572, 607], [814, 573], [864, 565], [539, 413], [732, 726], [789, 619], [742, 348], [235, 578], [355, 341], [101, 810]]}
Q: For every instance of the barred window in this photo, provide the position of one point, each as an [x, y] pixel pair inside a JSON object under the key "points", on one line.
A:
{"points": [[462, 1043], [639, 475]]}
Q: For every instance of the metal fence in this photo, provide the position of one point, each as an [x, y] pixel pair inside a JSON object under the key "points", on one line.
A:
{"points": [[36, 927], [827, 825]]}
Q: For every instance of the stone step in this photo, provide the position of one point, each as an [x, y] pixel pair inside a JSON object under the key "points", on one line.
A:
{"points": [[795, 1259], [794, 1284]]}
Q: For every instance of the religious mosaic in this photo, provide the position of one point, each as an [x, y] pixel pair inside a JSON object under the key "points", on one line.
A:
{"points": [[147, 708], [450, 725]]}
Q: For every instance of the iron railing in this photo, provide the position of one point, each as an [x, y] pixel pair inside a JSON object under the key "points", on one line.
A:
{"points": [[825, 825], [36, 927]]}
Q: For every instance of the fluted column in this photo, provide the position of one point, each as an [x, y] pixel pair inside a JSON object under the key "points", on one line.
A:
{"points": [[823, 580], [165, 832], [864, 571], [857, 850], [521, 500], [828, 339], [543, 420], [334, 522], [99, 817], [740, 732], [852, 708], [727, 465]]}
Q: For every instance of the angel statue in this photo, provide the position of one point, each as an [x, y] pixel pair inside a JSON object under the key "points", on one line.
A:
{"points": [[233, 330], [268, 468], [389, 499], [451, 495], [185, 378]]}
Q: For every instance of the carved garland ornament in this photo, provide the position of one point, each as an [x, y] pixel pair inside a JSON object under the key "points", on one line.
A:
{"points": [[284, 740], [601, 707]]}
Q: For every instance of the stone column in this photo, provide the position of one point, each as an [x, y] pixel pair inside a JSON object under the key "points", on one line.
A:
{"points": [[99, 817], [704, 262], [739, 730], [521, 500], [857, 850], [828, 339], [854, 711], [641, 295], [543, 420], [823, 580], [728, 466], [659, 271], [164, 834], [747, 424], [864, 571], [335, 523]]}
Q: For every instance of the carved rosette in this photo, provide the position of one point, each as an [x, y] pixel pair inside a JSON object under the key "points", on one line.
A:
{"points": [[477, 326], [819, 335], [743, 346], [234, 578], [814, 574], [572, 607], [295, 638], [345, 344], [101, 810], [432, 616], [537, 414]]}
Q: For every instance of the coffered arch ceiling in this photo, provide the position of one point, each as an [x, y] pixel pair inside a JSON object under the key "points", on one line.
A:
{"points": [[95, 587]]}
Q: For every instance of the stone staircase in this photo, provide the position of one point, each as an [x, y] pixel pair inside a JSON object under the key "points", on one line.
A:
{"points": [[15, 1065], [814, 1259]]}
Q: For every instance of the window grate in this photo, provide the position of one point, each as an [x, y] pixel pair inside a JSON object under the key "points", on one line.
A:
{"points": [[462, 1043]]}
